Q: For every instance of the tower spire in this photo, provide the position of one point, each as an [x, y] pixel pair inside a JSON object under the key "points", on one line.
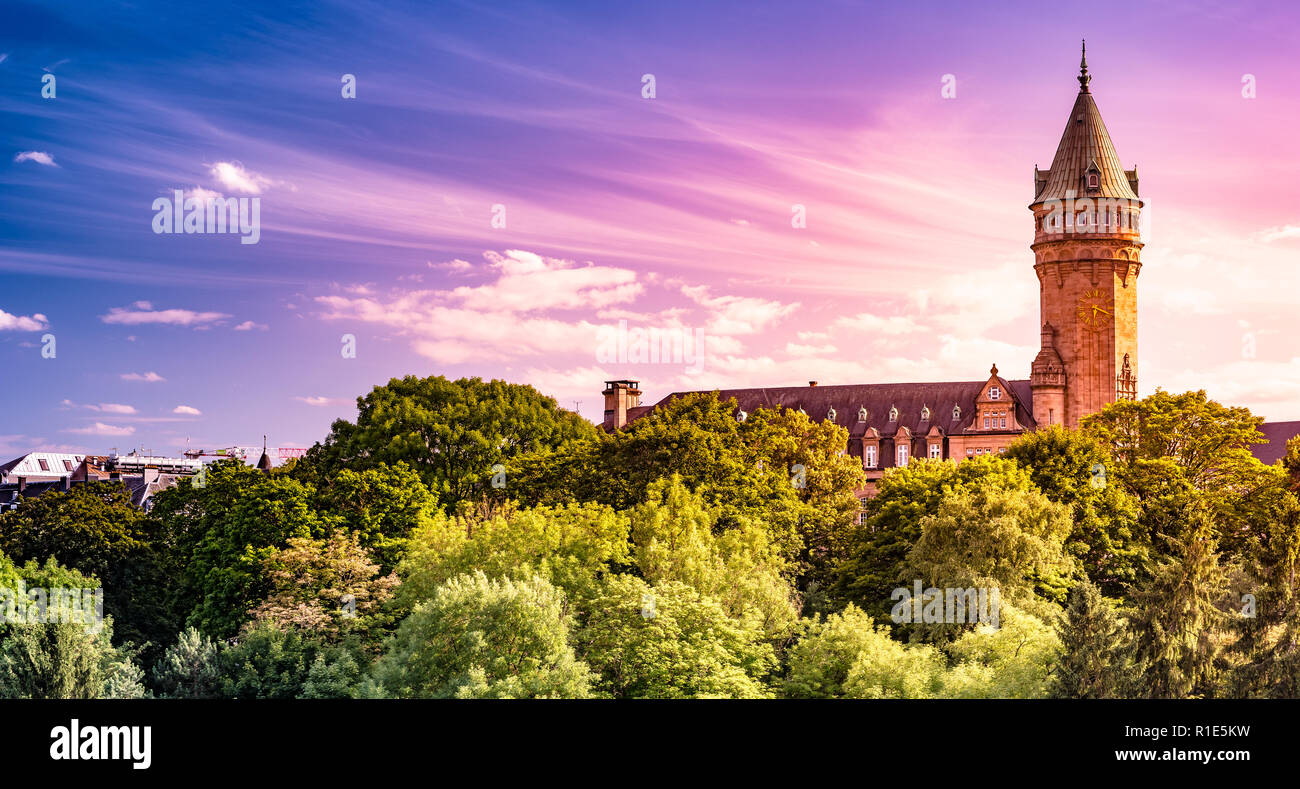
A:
{"points": [[1084, 78]]}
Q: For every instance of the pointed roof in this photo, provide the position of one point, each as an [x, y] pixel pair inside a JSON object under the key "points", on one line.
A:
{"points": [[1085, 144]]}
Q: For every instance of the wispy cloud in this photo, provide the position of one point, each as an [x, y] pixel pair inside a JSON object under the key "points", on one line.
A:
{"points": [[40, 157], [101, 429], [144, 312], [187, 410], [250, 325], [320, 402], [150, 377], [233, 176]]}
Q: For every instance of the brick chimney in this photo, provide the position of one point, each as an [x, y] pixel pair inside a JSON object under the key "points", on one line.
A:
{"points": [[812, 383], [619, 397]]}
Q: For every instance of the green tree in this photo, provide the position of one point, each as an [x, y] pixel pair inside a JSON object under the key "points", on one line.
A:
{"points": [[670, 641], [1075, 469], [569, 546], [327, 588], [382, 505], [451, 433], [821, 661], [219, 536], [990, 536], [877, 550], [1175, 619], [676, 538], [190, 668], [1014, 660], [95, 529], [1096, 650], [481, 638]]}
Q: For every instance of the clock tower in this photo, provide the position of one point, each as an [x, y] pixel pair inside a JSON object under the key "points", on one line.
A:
{"points": [[1087, 256]]}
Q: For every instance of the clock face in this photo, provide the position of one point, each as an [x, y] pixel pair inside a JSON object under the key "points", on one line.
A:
{"points": [[1093, 312]]}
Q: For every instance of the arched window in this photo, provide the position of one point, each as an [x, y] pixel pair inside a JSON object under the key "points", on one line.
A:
{"points": [[925, 414], [956, 412], [893, 414], [741, 416], [862, 414], [830, 414]]}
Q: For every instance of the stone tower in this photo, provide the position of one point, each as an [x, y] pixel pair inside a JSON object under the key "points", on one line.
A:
{"points": [[1087, 257]]}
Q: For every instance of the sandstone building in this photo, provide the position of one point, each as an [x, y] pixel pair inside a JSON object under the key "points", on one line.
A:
{"points": [[1087, 257]]}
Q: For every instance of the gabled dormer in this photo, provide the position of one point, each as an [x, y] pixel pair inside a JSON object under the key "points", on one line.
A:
{"points": [[995, 406]]}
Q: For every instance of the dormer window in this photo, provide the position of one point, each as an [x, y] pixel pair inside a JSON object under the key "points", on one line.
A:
{"points": [[1094, 181], [862, 414], [956, 412], [995, 393], [830, 414], [893, 414], [925, 414], [741, 416]]}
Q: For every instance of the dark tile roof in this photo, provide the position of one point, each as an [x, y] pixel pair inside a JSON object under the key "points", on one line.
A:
{"points": [[1084, 144], [909, 399], [1277, 433]]}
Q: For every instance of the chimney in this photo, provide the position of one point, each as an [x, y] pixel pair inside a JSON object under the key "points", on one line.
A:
{"points": [[22, 485], [812, 383], [619, 397], [67, 483]]}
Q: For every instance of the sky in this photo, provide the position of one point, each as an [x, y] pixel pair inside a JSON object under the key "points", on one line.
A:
{"points": [[505, 190]]}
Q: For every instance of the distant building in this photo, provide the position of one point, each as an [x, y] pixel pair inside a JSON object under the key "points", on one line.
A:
{"points": [[37, 473]]}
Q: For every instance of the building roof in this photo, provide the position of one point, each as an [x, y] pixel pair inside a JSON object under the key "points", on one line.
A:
{"points": [[909, 399], [1277, 433], [29, 465], [1085, 144]]}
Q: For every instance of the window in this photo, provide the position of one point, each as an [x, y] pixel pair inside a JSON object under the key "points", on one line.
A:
{"points": [[936, 450], [44, 466], [1051, 416], [862, 511], [956, 412], [1001, 450], [902, 454], [869, 456], [970, 453], [925, 414], [893, 414], [986, 423], [741, 416], [67, 465], [862, 414], [1003, 420], [995, 393], [830, 414], [979, 451], [1094, 181]]}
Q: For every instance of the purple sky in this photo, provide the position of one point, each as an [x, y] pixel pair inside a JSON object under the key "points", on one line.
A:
{"points": [[671, 213]]}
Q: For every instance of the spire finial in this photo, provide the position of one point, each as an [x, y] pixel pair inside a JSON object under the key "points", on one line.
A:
{"points": [[1084, 79]]}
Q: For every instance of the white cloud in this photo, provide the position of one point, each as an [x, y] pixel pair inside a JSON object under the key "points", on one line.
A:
{"points": [[737, 314], [202, 195], [457, 265], [150, 377], [35, 322], [144, 312], [1279, 233], [892, 325], [321, 402], [113, 408], [250, 325], [101, 429], [528, 282], [234, 177], [40, 157], [187, 410]]}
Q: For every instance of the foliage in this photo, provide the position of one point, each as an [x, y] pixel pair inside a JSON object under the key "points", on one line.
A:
{"points": [[570, 546], [326, 587], [1097, 659], [190, 668], [670, 641], [481, 638], [450, 433]]}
